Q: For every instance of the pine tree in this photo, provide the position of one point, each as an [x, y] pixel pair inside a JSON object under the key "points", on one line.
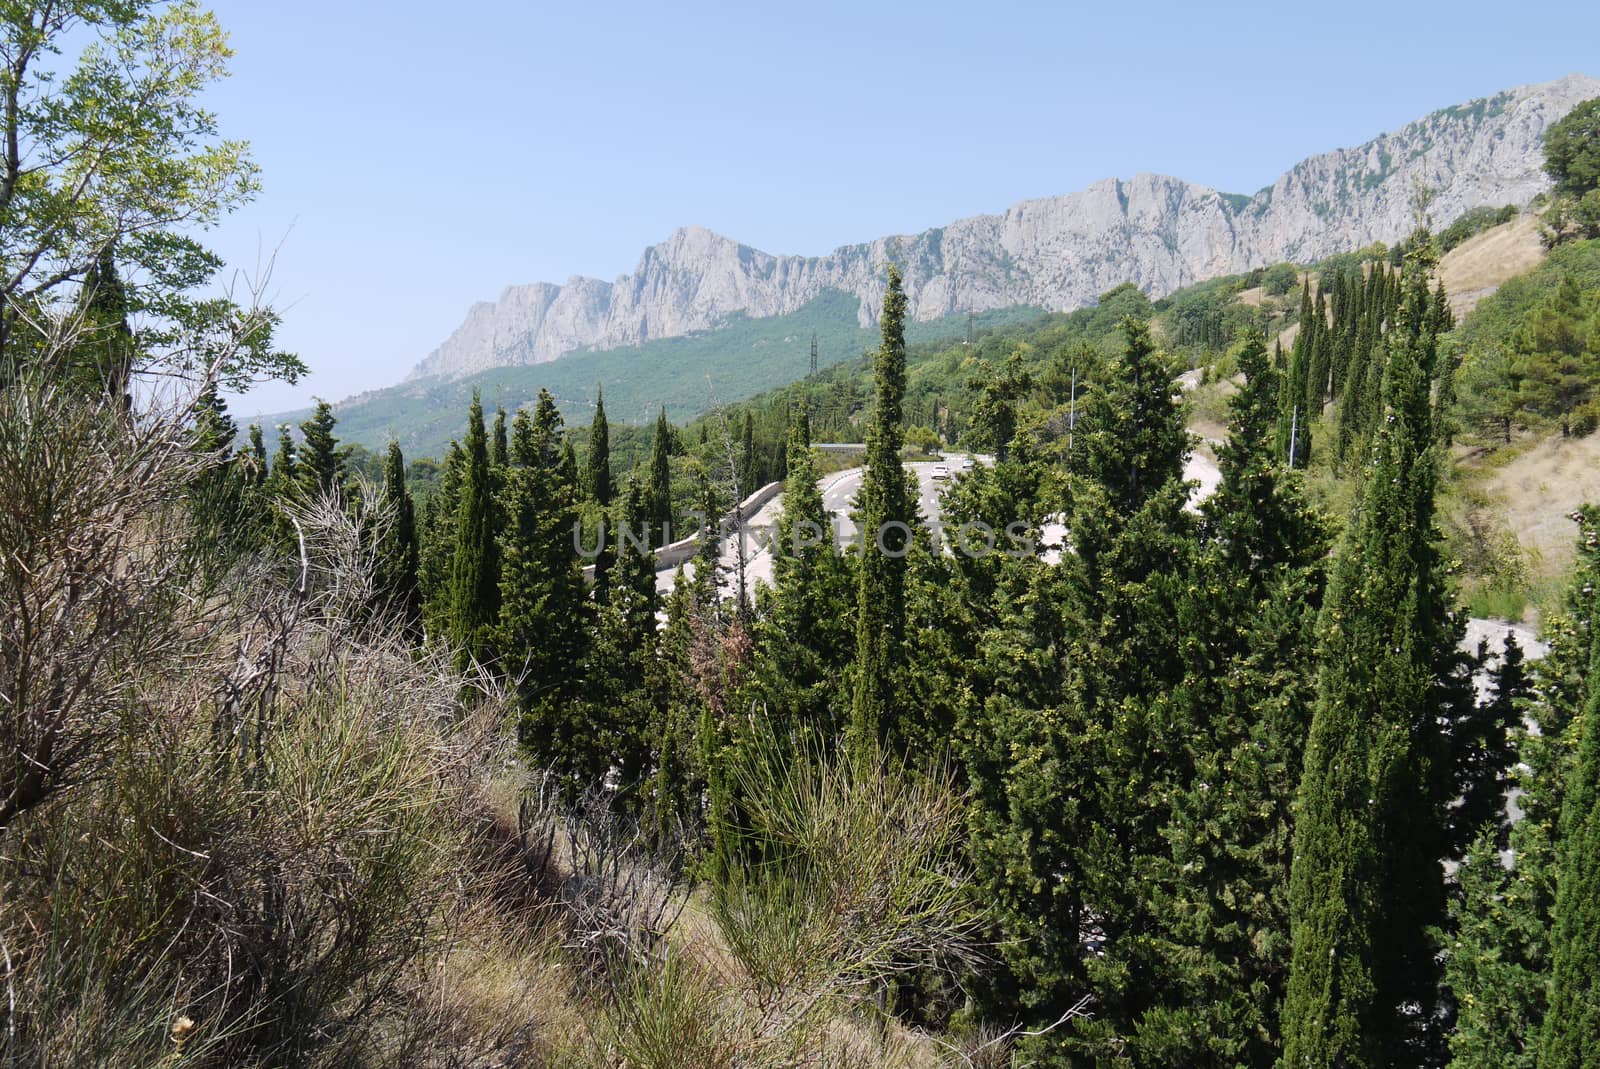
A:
{"points": [[886, 516], [398, 551], [1366, 884], [320, 470], [661, 514], [218, 497], [1560, 342], [475, 567], [601, 488]]}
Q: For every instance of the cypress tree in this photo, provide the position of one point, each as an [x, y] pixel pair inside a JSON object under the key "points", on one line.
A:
{"points": [[1369, 832], [1294, 417], [1572, 1022], [218, 497], [1497, 969], [102, 359], [803, 639], [499, 454], [626, 687], [543, 601], [661, 513], [1219, 896], [747, 457], [601, 488], [1499, 965], [437, 553], [886, 516], [475, 567], [398, 552]]}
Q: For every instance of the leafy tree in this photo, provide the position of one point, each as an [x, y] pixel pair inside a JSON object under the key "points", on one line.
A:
{"points": [[85, 173], [1280, 279], [599, 484], [1572, 150]]}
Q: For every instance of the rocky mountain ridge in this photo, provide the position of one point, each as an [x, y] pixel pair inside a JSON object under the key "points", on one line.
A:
{"points": [[1057, 253]]}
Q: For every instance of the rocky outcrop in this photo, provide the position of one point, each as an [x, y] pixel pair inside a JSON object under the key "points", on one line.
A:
{"points": [[1059, 252]]}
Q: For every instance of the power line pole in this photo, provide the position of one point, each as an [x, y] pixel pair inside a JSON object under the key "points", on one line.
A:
{"points": [[813, 353]]}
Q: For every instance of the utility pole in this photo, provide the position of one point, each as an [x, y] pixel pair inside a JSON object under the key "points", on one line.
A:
{"points": [[813, 354], [968, 342], [1294, 433]]}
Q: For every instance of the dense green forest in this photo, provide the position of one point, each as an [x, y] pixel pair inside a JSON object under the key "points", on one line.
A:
{"points": [[315, 757]]}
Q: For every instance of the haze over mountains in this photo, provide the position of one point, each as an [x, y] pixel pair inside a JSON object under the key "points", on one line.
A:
{"points": [[1057, 253]]}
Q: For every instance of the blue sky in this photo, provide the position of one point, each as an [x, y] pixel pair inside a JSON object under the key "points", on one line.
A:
{"points": [[418, 157]]}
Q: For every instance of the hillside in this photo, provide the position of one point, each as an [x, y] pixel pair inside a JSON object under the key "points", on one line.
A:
{"points": [[685, 375], [1057, 253]]}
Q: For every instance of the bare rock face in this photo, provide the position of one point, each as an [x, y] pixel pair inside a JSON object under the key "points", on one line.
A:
{"points": [[1058, 253]]}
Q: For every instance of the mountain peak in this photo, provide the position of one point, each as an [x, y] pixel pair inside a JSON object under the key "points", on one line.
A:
{"points": [[1154, 230]]}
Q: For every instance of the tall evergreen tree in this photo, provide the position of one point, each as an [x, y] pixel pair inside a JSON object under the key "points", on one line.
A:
{"points": [[1221, 895], [499, 449], [599, 484], [661, 513], [886, 515], [543, 602], [1369, 833], [626, 687], [320, 470], [103, 356], [803, 639], [398, 552], [436, 557], [1572, 1022], [475, 567]]}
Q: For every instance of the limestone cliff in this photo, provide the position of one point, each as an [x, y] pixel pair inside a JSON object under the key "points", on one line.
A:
{"points": [[1059, 252]]}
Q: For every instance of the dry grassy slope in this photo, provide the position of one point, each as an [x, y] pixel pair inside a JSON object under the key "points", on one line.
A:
{"points": [[1477, 267], [1537, 492]]}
